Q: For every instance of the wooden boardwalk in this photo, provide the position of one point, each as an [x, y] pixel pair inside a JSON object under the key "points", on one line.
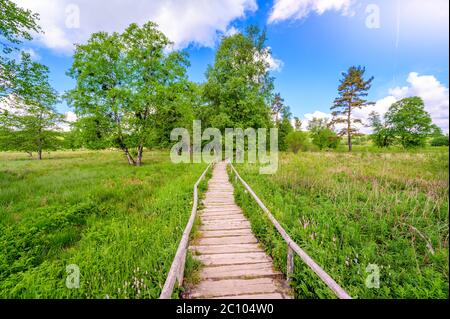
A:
{"points": [[234, 265]]}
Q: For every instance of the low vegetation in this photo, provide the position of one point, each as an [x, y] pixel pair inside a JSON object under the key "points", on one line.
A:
{"points": [[119, 225], [351, 210]]}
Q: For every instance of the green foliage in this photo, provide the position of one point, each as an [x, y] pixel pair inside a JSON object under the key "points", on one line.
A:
{"points": [[351, 210], [408, 121], [382, 135], [31, 123], [130, 82], [16, 24], [440, 141], [353, 90], [238, 90], [116, 223], [297, 140], [322, 135]]}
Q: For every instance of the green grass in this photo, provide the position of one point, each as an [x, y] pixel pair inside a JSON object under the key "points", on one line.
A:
{"points": [[351, 210], [120, 225]]}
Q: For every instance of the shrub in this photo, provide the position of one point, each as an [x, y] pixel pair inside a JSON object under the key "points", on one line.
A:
{"points": [[440, 141], [297, 141]]}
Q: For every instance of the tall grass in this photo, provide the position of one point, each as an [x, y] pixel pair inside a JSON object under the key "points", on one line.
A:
{"points": [[120, 225], [351, 210]]}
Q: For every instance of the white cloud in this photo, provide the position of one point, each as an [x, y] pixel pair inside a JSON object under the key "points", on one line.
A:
{"points": [[299, 9], [317, 114], [70, 117], [183, 21], [231, 31], [274, 64]]}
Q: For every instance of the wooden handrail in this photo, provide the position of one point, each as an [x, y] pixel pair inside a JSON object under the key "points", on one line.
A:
{"points": [[176, 271], [293, 247]]}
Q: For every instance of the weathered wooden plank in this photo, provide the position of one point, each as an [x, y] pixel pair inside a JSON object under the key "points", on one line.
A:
{"points": [[233, 287], [233, 259], [227, 240], [226, 233], [257, 296], [239, 271], [226, 249]]}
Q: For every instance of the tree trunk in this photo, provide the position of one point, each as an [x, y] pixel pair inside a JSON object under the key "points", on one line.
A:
{"points": [[39, 154], [139, 155], [349, 134], [129, 157]]}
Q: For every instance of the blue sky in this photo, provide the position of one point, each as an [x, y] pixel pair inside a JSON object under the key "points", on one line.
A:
{"points": [[402, 43]]}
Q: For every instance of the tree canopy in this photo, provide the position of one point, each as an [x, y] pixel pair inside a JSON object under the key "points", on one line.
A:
{"points": [[239, 87], [129, 81]]}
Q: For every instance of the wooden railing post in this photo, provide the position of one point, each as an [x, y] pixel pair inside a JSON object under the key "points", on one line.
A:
{"points": [[290, 264]]}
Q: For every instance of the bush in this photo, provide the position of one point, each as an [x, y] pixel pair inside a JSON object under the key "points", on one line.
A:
{"points": [[325, 138], [439, 141], [297, 141]]}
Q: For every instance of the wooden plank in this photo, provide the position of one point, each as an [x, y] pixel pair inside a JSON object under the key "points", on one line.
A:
{"points": [[225, 233], [227, 240], [239, 271], [233, 259], [233, 287], [222, 227], [226, 249]]}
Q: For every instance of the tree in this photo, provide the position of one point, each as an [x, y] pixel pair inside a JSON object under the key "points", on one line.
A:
{"points": [[239, 87], [128, 80], [277, 106], [352, 90], [31, 121], [382, 135], [297, 140], [409, 122], [284, 129], [16, 25], [322, 133], [298, 124]]}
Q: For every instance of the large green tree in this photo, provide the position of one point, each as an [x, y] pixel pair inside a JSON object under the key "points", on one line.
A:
{"points": [[239, 87], [129, 80], [353, 90], [29, 120], [409, 122]]}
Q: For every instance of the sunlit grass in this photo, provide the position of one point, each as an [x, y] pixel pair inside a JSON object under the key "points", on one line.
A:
{"points": [[121, 225], [351, 210]]}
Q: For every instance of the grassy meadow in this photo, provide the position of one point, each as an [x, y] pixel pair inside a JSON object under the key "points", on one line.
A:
{"points": [[119, 224], [351, 210]]}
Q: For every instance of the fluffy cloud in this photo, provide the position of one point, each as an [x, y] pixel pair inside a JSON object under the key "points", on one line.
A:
{"points": [[317, 114], [184, 21], [274, 64], [299, 9], [434, 94]]}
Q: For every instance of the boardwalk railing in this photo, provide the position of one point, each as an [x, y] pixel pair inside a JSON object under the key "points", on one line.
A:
{"points": [[176, 271], [294, 248]]}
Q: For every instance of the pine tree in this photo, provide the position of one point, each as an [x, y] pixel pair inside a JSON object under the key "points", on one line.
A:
{"points": [[352, 90]]}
